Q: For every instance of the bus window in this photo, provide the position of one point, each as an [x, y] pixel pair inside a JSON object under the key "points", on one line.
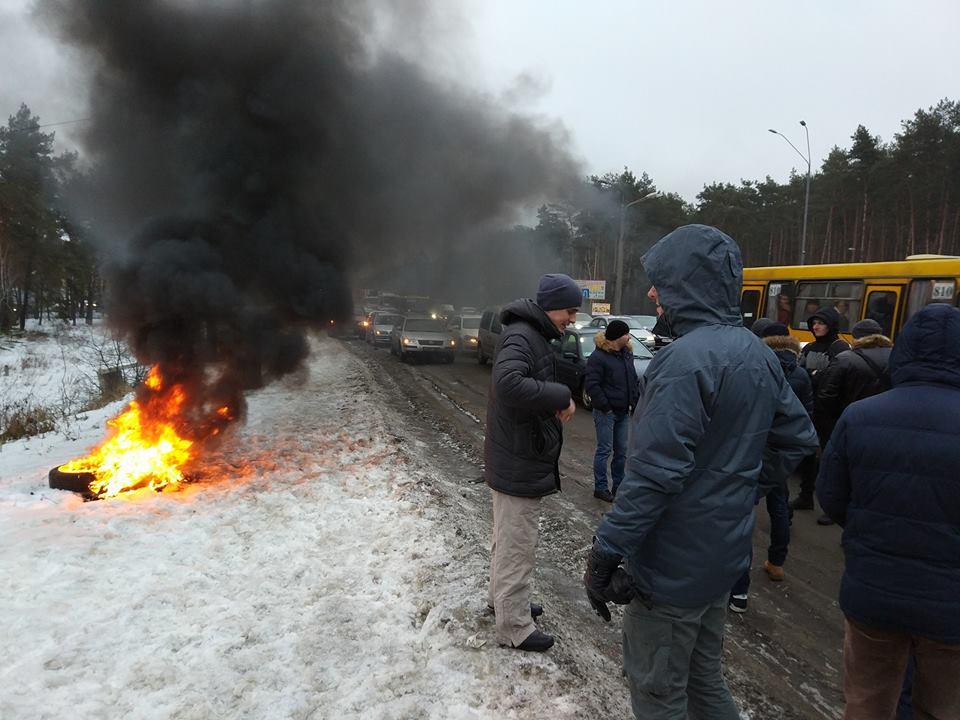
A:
{"points": [[881, 306], [924, 292], [780, 301], [749, 304], [842, 296]]}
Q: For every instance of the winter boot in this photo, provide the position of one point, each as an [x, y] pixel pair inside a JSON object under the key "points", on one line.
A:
{"points": [[802, 502], [774, 572], [603, 495], [824, 520], [536, 642]]}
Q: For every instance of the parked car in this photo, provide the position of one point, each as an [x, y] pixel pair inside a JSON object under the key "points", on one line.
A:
{"points": [[572, 351], [583, 319], [422, 336], [488, 334], [465, 329], [381, 325], [638, 329]]}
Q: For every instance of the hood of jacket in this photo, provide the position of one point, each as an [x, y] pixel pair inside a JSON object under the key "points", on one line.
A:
{"points": [[928, 348], [778, 343], [831, 318], [871, 341], [600, 340], [697, 271], [526, 310], [787, 350]]}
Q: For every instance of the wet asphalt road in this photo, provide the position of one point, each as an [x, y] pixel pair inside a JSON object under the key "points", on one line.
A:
{"points": [[783, 657]]}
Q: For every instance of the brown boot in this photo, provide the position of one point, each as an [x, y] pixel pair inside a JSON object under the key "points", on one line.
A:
{"points": [[774, 572]]}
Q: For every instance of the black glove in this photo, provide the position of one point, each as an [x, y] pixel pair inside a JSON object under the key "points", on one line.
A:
{"points": [[606, 582]]}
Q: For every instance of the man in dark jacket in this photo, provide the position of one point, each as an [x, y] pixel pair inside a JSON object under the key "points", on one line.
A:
{"points": [[889, 476], [716, 424], [777, 337], [611, 382], [815, 358], [525, 408], [855, 374]]}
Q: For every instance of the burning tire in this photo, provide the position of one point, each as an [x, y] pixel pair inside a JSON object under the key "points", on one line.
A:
{"points": [[78, 482]]}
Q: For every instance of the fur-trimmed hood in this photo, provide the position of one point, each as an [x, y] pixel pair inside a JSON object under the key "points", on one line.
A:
{"points": [[782, 342], [871, 341], [600, 340]]}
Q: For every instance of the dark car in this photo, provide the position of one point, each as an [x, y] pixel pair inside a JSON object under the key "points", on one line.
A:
{"points": [[572, 351], [488, 334]]}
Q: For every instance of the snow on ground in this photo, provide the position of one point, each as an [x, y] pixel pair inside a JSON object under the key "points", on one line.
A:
{"points": [[55, 367], [308, 575]]}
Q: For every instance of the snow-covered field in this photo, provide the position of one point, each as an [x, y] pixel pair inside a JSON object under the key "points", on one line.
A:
{"points": [[310, 574], [54, 368]]}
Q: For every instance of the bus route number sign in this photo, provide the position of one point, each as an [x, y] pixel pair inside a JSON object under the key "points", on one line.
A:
{"points": [[775, 289], [942, 291]]}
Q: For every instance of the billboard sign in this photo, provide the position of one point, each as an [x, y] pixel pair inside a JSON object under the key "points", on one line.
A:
{"points": [[593, 289]]}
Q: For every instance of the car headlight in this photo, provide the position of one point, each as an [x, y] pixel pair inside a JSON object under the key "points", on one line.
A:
{"points": [[453, 343], [408, 341], [473, 341]]}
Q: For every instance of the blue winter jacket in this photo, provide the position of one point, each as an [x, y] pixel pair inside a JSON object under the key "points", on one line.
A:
{"points": [[716, 421], [611, 378], [891, 476]]}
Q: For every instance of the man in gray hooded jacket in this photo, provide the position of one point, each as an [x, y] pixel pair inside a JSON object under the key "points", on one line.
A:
{"points": [[717, 426]]}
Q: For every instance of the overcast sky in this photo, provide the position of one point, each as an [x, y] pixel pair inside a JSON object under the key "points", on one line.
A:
{"points": [[684, 90]]}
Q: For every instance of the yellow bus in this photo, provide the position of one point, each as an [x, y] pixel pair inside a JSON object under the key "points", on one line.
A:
{"points": [[888, 292]]}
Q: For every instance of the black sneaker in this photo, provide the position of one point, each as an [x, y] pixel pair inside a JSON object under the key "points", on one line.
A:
{"points": [[802, 502], [603, 495], [536, 610], [824, 520], [738, 603], [536, 642]]}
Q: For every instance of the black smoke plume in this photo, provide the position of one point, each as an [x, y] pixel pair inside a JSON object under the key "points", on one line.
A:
{"points": [[252, 157]]}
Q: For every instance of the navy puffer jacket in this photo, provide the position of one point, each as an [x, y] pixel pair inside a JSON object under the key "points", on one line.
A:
{"points": [[716, 423], [523, 439], [890, 476], [611, 378]]}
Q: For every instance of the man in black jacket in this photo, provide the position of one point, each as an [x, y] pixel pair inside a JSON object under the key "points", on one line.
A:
{"points": [[815, 358], [526, 407], [612, 384], [855, 374]]}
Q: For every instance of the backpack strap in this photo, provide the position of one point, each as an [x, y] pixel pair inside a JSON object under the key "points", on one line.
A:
{"points": [[881, 374]]}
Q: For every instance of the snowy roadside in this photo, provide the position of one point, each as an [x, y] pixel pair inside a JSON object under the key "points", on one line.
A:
{"points": [[312, 574], [52, 373]]}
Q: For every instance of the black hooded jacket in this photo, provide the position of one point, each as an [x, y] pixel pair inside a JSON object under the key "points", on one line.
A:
{"points": [[816, 356], [521, 449]]}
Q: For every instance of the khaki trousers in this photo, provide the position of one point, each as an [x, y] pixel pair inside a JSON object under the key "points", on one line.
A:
{"points": [[513, 553], [874, 663]]}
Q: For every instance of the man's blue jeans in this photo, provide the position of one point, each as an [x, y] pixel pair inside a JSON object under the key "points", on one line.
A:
{"points": [[613, 429], [778, 507]]}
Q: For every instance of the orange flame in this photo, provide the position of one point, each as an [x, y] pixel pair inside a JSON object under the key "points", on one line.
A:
{"points": [[145, 449]]}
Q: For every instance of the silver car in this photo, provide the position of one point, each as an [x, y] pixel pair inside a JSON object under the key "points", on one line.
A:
{"points": [[381, 325], [465, 329], [638, 327], [422, 336]]}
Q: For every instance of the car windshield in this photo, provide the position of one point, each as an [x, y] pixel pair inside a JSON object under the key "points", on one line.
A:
{"points": [[584, 317], [424, 325], [640, 351], [471, 323], [387, 319], [646, 321], [587, 345]]}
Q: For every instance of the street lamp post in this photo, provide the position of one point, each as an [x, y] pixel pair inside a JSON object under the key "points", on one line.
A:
{"points": [[618, 290], [618, 260], [806, 201]]}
